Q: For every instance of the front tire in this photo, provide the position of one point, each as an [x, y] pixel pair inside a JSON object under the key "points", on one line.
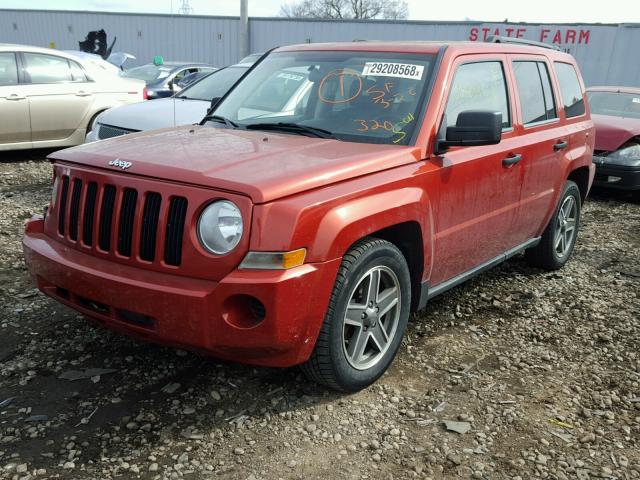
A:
{"points": [[559, 238], [366, 319]]}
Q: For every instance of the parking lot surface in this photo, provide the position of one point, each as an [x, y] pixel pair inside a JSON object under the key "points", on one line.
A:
{"points": [[541, 371]]}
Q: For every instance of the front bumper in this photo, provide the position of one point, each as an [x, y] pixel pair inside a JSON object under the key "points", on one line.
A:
{"points": [[210, 317], [620, 177]]}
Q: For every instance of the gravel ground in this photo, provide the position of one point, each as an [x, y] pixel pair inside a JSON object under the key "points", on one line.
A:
{"points": [[543, 369]]}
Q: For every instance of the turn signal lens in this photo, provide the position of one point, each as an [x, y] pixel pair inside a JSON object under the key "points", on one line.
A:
{"points": [[274, 260]]}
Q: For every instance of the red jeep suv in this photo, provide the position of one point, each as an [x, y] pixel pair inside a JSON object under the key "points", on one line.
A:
{"points": [[335, 189]]}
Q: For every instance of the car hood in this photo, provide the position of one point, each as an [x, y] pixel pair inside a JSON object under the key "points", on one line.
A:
{"points": [[154, 114], [264, 166], [613, 132]]}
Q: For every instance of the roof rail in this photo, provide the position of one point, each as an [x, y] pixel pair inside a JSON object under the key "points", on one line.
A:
{"points": [[520, 41]]}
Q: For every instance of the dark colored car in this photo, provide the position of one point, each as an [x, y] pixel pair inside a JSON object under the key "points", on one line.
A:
{"points": [[162, 79], [616, 114], [334, 190]]}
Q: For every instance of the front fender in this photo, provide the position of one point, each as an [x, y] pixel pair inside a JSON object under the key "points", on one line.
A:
{"points": [[328, 221], [345, 224]]}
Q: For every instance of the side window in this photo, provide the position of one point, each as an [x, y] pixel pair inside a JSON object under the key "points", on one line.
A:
{"points": [[534, 90], [478, 86], [570, 90], [8, 69], [47, 68], [77, 72]]}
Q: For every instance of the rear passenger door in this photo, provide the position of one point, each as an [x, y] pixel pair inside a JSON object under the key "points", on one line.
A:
{"points": [[14, 108], [479, 186], [542, 136], [59, 96]]}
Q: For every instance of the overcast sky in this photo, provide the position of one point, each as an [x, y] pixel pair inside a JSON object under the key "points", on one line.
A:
{"points": [[571, 11]]}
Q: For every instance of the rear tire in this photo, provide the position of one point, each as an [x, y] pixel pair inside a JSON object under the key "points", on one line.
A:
{"points": [[559, 238], [366, 318]]}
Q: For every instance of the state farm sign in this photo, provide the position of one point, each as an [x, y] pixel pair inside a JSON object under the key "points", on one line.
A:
{"points": [[561, 36]]}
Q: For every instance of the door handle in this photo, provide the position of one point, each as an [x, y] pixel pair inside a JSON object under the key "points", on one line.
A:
{"points": [[511, 160], [561, 145], [13, 96], [82, 93]]}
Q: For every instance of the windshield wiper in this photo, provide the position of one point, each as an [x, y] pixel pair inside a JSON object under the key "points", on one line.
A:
{"points": [[292, 127], [219, 119]]}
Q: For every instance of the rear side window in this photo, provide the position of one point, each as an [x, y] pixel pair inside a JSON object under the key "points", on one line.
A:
{"points": [[570, 90], [47, 68], [8, 69], [478, 86], [77, 72], [534, 90]]}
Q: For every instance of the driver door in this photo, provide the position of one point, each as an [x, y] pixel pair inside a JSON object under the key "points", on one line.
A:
{"points": [[479, 186]]}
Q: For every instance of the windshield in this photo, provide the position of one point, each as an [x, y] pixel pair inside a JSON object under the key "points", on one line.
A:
{"points": [[148, 73], [615, 104], [214, 85], [371, 97]]}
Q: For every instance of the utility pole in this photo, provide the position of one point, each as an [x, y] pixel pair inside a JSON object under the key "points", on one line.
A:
{"points": [[243, 31]]}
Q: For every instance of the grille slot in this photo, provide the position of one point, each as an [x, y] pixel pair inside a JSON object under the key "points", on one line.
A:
{"points": [[74, 211], [127, 216], [149, 231], [62, 204], [89, 213], [106, 217], [175, 228]]}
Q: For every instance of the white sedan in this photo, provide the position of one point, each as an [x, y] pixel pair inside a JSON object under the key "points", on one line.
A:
{"points": [[50, 98]]}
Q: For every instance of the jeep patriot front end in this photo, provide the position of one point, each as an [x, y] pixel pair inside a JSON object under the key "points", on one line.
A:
{"points": [[335, 189]]}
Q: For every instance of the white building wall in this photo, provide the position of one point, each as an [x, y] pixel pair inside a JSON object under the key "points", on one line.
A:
{"points": [[607, 54]]}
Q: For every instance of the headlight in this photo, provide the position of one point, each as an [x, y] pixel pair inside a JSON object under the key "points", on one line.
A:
{"points": [[628, 155], [220, 227]]}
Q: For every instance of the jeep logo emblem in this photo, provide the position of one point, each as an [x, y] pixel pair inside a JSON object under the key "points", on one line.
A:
{"points": [[120, 164]]}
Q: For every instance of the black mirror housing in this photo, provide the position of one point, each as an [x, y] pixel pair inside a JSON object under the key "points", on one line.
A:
{"points": [[473, 128]]}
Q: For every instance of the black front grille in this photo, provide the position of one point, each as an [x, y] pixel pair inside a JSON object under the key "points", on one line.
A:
{"points": [[109, 131], [89, 213], [75, 209], [150, 226], [62, 205], [115, 210], [127, 216], [106, 217], [175, 227]]}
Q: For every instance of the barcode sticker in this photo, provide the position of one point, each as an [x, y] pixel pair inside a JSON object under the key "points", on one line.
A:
{"points": [[387, 69]]}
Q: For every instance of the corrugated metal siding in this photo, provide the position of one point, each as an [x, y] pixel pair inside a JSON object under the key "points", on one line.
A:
{"points": [[607, 58]]}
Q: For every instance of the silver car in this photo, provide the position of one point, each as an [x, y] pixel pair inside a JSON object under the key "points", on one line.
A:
{"points": [[187, 107]]}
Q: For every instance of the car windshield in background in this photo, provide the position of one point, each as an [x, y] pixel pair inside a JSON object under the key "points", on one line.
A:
{"points": [[370, 97], [214, 85], [148, 73], [615, 104]]}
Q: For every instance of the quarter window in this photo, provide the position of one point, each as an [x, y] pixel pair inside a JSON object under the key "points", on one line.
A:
{"points": [[534, 90], [8, 69], [77, 72], [570, 89], [478, 86], [47, 68]]}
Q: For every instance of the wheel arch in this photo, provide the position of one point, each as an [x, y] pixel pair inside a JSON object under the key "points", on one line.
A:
{"points": [[581, 177]]}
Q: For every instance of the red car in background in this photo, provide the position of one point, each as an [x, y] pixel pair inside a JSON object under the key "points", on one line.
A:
{"points": [[616, 114]]}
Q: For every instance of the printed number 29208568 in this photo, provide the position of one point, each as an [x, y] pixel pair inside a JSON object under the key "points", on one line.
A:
{"points": [[387, 69]]}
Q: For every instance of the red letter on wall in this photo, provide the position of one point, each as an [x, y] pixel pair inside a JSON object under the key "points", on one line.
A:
{"points": [[543, 34], [584, 36], [473, 34], [570, 36]]}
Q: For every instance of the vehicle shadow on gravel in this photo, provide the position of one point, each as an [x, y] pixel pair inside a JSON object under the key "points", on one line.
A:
{"points": [[15, 156]]}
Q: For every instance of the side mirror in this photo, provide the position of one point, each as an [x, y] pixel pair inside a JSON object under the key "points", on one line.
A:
{"points": [[473, 127]]}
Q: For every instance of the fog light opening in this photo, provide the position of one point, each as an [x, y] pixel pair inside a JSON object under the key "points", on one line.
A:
{"points": [[243, 311]]}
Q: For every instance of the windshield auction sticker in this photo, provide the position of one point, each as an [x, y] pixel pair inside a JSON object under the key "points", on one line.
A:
{"points": [[386, 69]]}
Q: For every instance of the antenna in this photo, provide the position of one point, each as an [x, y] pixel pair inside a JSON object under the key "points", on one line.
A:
{"points": [[185, 8]]}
